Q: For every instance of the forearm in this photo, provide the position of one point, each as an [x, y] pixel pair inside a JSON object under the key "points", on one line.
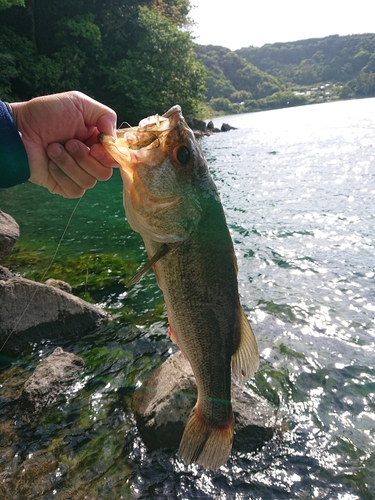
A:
{"points": [[14, 164]]}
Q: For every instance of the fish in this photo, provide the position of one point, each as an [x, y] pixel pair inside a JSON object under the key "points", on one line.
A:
{"points": [[170, 198]]}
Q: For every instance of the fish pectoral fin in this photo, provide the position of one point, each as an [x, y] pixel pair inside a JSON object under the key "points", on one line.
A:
{"points": [[163, 250], [245, 360], [204, 443]]}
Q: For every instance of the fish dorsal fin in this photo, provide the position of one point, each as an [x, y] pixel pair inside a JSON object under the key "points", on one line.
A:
{"points": [[245, 360], [163, 250]]}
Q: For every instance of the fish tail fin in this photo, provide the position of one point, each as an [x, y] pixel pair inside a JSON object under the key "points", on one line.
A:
{"points": [[204, 443], [245, 361]]}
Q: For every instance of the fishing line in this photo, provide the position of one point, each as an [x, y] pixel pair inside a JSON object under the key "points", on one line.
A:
{"points": [[44, 274]]}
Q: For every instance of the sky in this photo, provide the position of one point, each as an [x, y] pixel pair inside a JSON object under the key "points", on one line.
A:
{"points": [[241, 23]]}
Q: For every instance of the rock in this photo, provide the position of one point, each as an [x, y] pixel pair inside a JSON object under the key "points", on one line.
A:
{"points": [[196, 124], [32, 475], [30, 312], [55, 375], [5, 274], [9, 234], [225, 127], [211, 127], [163, 403], [61, 285]]}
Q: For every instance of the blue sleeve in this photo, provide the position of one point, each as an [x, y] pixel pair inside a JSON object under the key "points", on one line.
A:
{"points": [[14, 164]]}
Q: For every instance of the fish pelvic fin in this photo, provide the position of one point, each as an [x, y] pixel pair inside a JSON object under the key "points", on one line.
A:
{"points": [[204, 443], [163, 250], [245, 361]]}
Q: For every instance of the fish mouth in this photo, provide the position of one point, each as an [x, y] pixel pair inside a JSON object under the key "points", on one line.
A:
{"points": [[131, 144]]}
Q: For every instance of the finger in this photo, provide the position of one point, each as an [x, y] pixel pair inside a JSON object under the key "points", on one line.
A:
{"points": [[96, 113], [67, 160], [98, 165], [64, 185], [102, 156]]}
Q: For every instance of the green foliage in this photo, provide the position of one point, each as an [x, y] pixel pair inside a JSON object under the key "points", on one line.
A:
{"points": [[175, 11], [135, 55], [310, 62], [159, 71], [228, 73], [138, 57], [6, 4], [362, 86], [222, 104]]}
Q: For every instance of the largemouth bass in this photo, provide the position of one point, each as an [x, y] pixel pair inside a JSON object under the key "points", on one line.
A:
{"points": [[172, 201]]}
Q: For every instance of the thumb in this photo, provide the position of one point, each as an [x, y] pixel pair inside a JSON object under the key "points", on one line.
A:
{"points": [[97, 114], [106, 123]]}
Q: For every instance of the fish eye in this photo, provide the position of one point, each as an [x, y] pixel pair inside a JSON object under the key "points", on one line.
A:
{"points": [[183, 155]]}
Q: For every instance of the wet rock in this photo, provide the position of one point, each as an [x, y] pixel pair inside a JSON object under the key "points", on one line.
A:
{"points": [[226, 127], [211, 127], [196, 124], [61, 285], [9, 234], [30, 312], [55, 375], [36, 477], [163, 403]]}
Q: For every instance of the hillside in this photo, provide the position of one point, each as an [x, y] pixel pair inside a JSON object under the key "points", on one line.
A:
{"points": [[289, 74], [333, 59], [236, 86]]}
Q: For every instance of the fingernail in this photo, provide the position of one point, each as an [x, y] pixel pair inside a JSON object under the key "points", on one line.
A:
{"points": [[98, 155], [71, 147], [55, 150]]}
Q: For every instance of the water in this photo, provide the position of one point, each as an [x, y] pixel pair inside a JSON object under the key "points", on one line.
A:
{"points": [[297, 186]]}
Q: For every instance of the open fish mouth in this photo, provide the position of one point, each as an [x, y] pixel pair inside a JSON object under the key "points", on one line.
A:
{"points": [[147, 133]]}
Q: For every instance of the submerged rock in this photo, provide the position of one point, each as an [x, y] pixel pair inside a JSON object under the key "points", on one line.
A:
{"points": [[55, 375], [9, 234], [164, 401], [30, 312]]}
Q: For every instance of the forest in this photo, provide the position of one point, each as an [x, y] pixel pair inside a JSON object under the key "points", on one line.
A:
{"points": [[332, 59], [289, 74], [136, 56], [140, 58]]}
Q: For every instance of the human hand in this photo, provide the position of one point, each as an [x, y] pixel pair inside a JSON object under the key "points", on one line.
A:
{"points": [[60, 133]]}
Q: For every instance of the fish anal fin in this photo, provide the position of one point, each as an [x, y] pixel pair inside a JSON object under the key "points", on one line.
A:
{"points": [[204, 443], [163, 250], [245, 360]]}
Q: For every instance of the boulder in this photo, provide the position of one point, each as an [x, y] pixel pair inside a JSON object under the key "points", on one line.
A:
{"points": [[30, 312], [196, 124], [225, 127], [9, 234], [54, 376], [211, 127], [164, 401]]}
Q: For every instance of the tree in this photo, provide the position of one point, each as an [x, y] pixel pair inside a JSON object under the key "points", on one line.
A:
{"points": [[159, 71], [135, 55], [5, 4]]}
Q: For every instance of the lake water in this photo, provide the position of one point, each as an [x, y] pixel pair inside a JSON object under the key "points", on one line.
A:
{"points": [[298, 189]]}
